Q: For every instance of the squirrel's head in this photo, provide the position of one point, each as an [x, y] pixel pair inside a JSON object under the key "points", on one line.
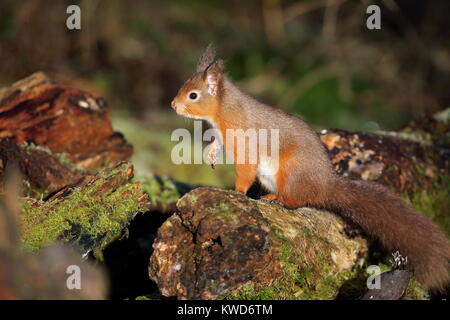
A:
{"points": [[199, 96]]}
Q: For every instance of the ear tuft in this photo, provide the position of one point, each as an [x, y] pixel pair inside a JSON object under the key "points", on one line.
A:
{"points": [[213, 76], [207, 58]]}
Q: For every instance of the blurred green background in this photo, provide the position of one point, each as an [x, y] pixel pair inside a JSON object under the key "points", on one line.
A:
{"points": [[314, 58]]}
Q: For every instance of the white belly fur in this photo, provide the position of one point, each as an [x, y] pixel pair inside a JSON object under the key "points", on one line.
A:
{"points": [[267, 175]]}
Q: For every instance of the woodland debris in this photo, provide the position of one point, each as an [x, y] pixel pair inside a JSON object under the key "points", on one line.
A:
{"points": [[45, 276], [38, 111], [403, 161], [219, 242], [88, 215], [39, 168]]}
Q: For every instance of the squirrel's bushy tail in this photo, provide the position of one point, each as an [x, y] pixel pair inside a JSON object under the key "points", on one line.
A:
{"points": [[386, 217]]}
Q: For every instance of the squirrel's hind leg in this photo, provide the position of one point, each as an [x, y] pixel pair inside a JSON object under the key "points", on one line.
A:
{"points": [[270, 196], [300, 186], [245, 175]]}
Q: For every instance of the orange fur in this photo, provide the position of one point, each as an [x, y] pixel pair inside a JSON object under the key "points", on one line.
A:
{"points": [[245, 175]]}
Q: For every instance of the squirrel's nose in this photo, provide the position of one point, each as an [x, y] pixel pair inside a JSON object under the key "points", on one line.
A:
{"points": [[173, 105]]}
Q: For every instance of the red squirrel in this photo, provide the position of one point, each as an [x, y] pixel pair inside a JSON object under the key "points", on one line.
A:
{"points": [[305, 176]]}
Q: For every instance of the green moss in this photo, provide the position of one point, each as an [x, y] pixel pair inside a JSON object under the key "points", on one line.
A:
{"points": [[87, 218], [223, 207], [248, 292], [61, 157], [436, 203], [160, 190], [142, 298], [28, 190], [415, 291], [297, 282], [307, 232], [223, 212]]}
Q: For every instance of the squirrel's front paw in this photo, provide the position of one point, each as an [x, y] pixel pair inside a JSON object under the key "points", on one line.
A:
{"points": [[213, 153], [212, 156]]}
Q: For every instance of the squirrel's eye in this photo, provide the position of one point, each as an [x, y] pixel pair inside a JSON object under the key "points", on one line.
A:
{"points": [[193, 95]]}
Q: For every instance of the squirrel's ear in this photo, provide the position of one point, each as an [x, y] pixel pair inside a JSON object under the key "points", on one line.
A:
{"points": [[213, 77], [207, 58]]}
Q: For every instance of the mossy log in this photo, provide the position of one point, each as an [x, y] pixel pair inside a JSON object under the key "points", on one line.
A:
{"points": [[411, 159], [222, 243], [27, 276], [88, 215], [66, 120]]}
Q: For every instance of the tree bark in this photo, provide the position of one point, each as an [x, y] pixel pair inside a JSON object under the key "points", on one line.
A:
{"points": [[408, 160], [66, 120]]}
